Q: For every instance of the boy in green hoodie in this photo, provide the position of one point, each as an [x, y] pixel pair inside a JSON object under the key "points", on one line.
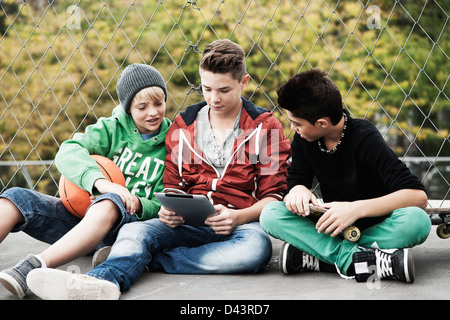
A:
{"points": [[133, 137]]}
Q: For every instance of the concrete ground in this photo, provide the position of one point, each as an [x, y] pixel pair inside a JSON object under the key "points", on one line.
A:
{"points": [[432, 263]]}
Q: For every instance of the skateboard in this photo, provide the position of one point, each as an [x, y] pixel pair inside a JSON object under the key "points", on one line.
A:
{"points": [[350, 233], [441, 218]]}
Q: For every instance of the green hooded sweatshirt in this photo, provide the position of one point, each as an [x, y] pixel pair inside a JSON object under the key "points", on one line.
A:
{"points": [[117, 138]]}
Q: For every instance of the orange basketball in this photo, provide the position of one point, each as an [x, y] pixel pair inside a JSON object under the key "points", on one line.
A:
{"points": [[77, 200]]}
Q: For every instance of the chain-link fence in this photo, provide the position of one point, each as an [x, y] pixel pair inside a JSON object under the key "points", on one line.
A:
{"points": [[60, 60]]}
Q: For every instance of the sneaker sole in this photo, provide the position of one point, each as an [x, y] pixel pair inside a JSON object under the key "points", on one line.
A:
{"points": [[408, 262], [11, 285], [100, 256], [53, 284], [282, 257]]}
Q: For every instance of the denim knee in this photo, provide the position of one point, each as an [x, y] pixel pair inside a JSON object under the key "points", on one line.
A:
{"points": [[130, 240], [250, 247], [261, 249]]}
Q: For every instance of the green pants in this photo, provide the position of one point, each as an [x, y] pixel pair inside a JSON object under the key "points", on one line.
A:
{"points": [[403, 228]]}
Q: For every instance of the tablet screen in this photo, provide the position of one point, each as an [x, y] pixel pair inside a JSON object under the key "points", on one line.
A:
{"points": [[194, 208]]}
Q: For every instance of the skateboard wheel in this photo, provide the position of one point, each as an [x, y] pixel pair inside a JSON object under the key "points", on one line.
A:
{"points": [[352, 234], [442, 231]]}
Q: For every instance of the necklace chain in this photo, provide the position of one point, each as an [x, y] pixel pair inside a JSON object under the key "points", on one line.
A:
{"points": [[340, 139]]}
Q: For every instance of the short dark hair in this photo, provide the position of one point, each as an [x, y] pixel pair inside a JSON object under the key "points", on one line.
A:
{"points": [[224, 56], [311, 95]]}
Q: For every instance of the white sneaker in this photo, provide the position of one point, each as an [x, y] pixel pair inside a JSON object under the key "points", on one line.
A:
{"points": [[53, 284]]}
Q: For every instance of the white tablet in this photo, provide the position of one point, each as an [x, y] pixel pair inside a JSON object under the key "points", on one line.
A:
{"points": [[194, 208]]}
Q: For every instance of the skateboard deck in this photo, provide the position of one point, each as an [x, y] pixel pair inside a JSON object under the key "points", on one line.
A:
{"points": [[351, 233], [438, 216]]}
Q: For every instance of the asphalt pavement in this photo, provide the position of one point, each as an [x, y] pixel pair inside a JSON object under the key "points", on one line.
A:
{"points": [[432, 264]]}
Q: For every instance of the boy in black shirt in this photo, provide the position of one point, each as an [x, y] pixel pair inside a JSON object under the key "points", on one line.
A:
{"points": [[362, 181]]}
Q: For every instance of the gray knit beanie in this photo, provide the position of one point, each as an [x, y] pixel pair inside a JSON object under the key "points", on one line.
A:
{"points": [[133, 79]]}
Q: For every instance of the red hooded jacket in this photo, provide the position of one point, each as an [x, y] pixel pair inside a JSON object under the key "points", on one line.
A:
{"points": [[256, 169]]}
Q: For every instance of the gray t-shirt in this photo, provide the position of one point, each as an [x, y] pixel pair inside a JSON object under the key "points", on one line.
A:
{"points": [[217, 153]]}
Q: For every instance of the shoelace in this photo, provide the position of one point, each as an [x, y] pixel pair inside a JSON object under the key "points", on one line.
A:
{"points": [[23, 268], [384, 266], [310, 262]]}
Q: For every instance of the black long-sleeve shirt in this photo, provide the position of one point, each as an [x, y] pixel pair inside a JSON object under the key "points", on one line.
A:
{"points": [[362, 167]]}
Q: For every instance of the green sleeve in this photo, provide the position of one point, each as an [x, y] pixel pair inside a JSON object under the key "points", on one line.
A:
{"points": [[73, 159]]}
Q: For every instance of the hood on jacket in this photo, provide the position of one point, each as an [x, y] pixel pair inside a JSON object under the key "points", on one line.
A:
{"points": [[256, 114], [127, 122]]}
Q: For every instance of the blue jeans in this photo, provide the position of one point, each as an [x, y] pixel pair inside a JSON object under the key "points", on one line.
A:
{"points": [[47, 220], [185, 249]]}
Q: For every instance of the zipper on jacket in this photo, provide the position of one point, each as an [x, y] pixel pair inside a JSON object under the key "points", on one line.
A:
{"points": [[183, 139]]}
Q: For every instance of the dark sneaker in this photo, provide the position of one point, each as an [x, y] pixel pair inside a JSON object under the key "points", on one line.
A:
{"points": [[54, 284], [292, 260], [393, 263], [14, 279]]}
